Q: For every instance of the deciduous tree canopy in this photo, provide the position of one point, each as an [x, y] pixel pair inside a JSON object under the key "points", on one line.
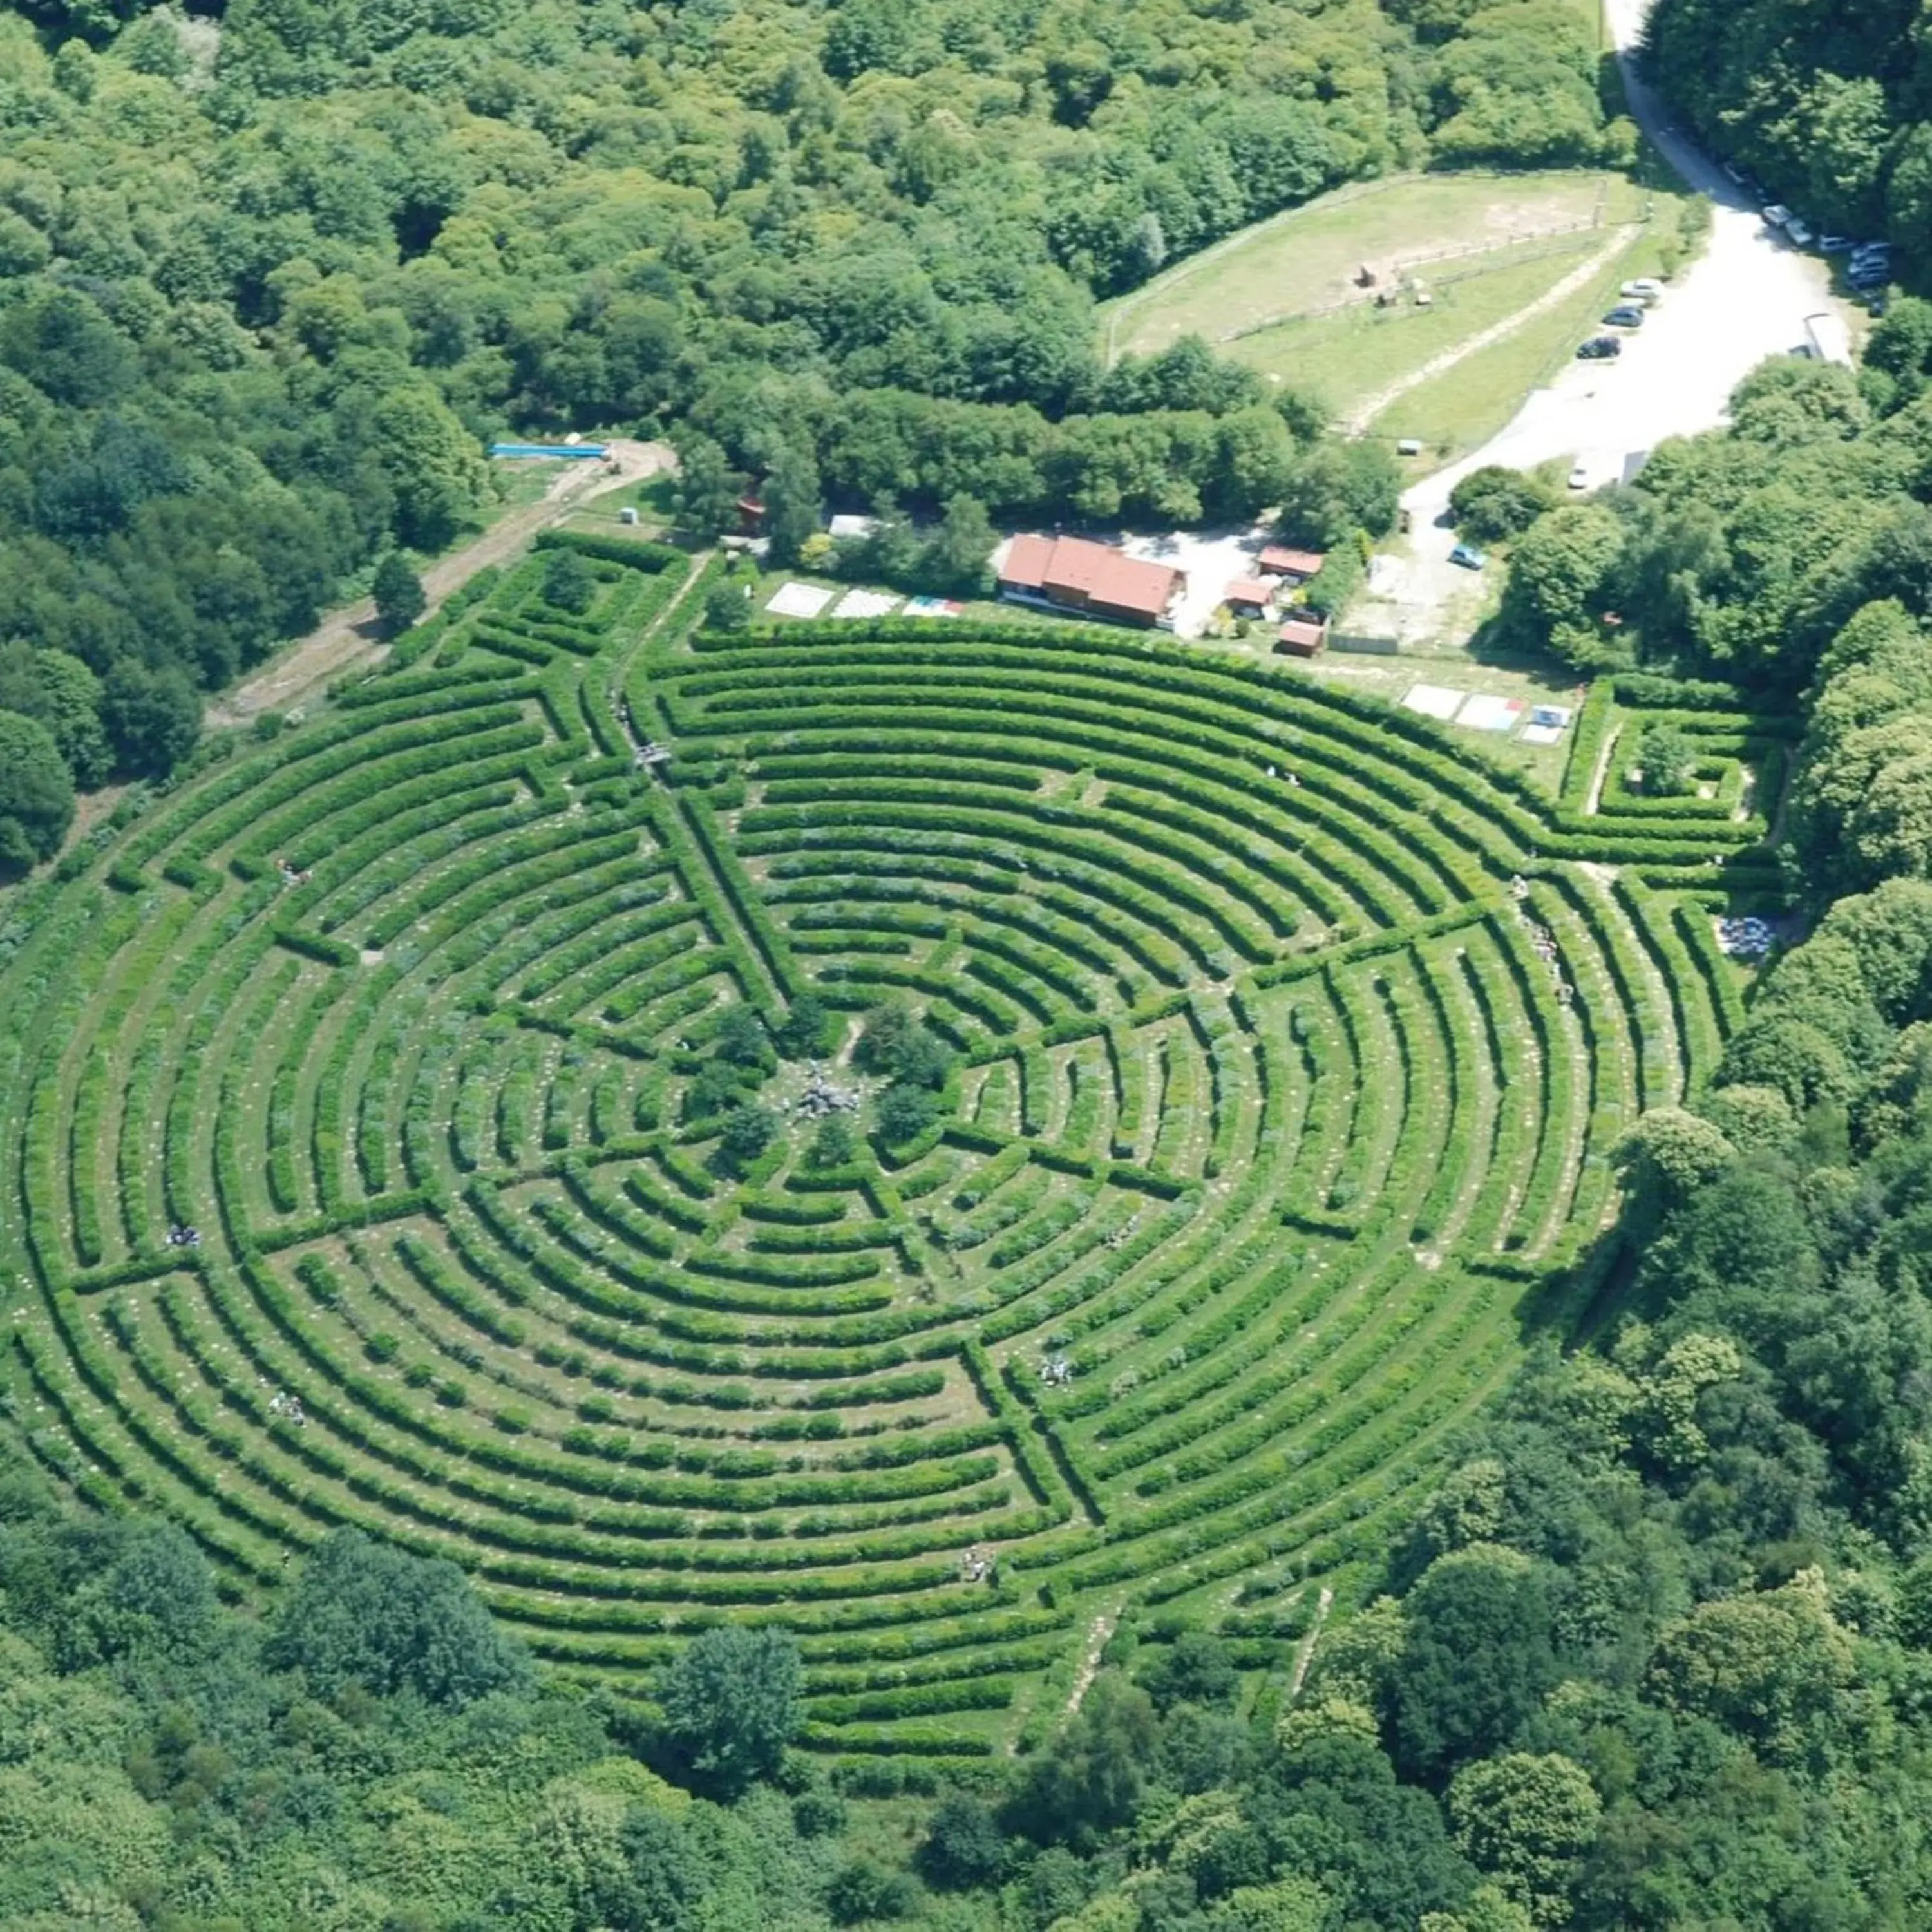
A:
{"points": [[273, 274]]}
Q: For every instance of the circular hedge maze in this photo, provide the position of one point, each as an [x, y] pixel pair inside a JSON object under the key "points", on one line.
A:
{"points": [[368, 1159]]}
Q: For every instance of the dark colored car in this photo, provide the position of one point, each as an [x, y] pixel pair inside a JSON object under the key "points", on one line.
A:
{"points": [[1600, 348]]}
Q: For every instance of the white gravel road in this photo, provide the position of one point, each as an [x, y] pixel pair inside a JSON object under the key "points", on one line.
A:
{"points": [[1745, 298]]}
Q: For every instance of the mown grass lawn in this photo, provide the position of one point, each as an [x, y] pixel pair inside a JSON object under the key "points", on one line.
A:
{"points": [[1303, 260], [1461, 409], [1347, 356]]}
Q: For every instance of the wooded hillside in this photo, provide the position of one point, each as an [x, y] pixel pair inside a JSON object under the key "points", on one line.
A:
{"points": [[267, 276]]}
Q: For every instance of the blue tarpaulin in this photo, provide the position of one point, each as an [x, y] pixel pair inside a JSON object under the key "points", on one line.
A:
{"points": [[549, 449]]}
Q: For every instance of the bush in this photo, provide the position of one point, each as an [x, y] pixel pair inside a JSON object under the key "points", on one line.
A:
{"points": [[568, 581], [1669, 760], [963, 1846], [1493, 504], [728, 607], [862, 1891], [832, 1143], [747, 1132], [904, 1112]]}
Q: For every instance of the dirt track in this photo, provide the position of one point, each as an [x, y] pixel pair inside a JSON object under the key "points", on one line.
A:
{"points": [[347, 637], [1365, 413]]}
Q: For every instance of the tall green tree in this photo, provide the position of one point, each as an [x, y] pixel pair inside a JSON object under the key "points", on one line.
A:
{"points": [[36, 792], [730, 1704], [153, 718], [64, 694], [792, 506], [705, 494], [363, 1614], [433, 464], [399, 594], [958, 561], [1089, 1780]]}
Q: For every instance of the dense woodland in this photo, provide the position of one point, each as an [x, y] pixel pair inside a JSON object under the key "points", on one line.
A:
{"points": [[1830, 107], [268, 275]]}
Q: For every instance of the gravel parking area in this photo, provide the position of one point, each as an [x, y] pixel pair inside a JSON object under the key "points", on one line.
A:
{"points": [[1745, 299]]}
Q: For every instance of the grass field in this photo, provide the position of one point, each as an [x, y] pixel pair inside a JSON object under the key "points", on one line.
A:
{"points": [[1355, 352], [651, 498], [1306, 259], [1461, 409], [1267, 1112], [1280, 297]]}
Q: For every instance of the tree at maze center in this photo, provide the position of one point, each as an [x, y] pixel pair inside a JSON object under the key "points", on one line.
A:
{"points": [[1236, 1118]]}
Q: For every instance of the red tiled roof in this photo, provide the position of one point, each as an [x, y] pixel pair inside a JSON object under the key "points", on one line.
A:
{"points": [[1250, 590], [1071, 569], [1300, 635], [1288, 562], [1027, 558]]}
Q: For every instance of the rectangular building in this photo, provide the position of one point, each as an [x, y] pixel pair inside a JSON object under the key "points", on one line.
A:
{"points": [[1071, 574], [1292, 566]]}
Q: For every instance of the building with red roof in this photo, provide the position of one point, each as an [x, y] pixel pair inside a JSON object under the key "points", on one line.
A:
{"points": [[1249, 596], [1072, 574], [1293, 566], [1303, 637]]}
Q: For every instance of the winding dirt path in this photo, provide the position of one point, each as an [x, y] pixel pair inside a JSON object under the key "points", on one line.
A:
{"points": [[1089, 1665], [347, 637], [1593, 803], [1365, 413], [1323, 1605]]}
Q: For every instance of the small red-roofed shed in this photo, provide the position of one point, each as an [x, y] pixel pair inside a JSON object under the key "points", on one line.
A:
{"points": [[1292, 566]]}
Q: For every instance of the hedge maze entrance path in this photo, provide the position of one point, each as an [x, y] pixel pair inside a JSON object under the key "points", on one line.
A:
{"points": [[1291, 1047]]}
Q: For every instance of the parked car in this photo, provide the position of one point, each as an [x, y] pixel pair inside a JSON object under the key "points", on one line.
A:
{"points": [[1797, 234], [1626, 315], [1469, 556], [1873, 275], [1868, 254], [1834, 244], [1579, 478], [1776, 215], [1643, 290], [1599, 348]]}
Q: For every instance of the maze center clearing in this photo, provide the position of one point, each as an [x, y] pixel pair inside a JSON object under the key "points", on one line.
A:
{"points": [[399, 1151]]}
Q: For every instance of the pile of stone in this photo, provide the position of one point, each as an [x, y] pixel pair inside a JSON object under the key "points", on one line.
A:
{"points": [[823, 1096]]}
